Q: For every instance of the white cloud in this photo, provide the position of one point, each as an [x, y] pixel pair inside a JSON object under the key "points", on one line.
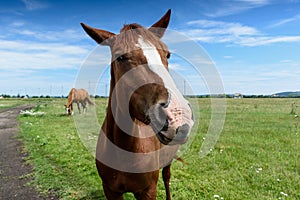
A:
{"points": [[228, 57], [211, 31], [267, 40], [38, 85], [17, 24], [226, 8], [34, 4], [266, 78], [212, 27], [35, 55], [285, 21], [175, 66], [50, 36], [255, 2], [34, 60]]}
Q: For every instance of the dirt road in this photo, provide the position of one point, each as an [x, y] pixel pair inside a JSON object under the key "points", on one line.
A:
{"points": [[12, 165]]}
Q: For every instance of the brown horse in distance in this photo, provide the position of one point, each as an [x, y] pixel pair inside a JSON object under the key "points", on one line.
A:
{"points": [[78, 96], [147, 118]]}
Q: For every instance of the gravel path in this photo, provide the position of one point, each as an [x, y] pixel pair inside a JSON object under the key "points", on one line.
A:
{"points": [[12, 165]]}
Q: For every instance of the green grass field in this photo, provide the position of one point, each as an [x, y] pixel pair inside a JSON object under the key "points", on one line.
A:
{"points": [[7, 103], [257, 155]]}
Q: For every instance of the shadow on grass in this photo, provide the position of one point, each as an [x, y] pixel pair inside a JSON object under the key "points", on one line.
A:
{"points": [[95, 195], [61, 115]]}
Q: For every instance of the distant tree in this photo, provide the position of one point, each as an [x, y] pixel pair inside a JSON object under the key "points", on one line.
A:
{"points": [[5, 95]]}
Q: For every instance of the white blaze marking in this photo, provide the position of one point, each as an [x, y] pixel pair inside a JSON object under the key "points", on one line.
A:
{"points": [[155, 64], [177, 100]]}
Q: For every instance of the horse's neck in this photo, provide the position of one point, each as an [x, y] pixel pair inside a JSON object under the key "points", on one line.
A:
{"points": [[119, 137], [71, 97], [137, 138]]}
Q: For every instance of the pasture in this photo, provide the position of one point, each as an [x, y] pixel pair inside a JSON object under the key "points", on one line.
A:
{"points": [[256, 157], [7, 103]]}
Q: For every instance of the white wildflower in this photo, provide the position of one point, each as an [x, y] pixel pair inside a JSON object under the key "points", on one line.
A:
{"points": [[31, 113], [258, 170], [284, 194]]}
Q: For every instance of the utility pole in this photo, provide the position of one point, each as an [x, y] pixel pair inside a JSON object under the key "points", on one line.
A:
{"points": [[62, 90]]}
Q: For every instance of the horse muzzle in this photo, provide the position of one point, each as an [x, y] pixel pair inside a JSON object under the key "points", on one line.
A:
{"points": [[180, 135], [172, 123]]}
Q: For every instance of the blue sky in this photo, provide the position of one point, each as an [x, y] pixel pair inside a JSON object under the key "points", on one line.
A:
{"points": [[254, 44]]}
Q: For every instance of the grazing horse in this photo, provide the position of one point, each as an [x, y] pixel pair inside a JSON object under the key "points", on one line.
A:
{"points": [[78, 96], [147, 118]]}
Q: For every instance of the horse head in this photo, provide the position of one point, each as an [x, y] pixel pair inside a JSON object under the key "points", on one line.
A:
{"points": [[140, 80], [69, 109]]}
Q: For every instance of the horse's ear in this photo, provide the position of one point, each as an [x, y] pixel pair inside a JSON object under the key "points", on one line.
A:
{"points": [[160, 26], [100, 36]]}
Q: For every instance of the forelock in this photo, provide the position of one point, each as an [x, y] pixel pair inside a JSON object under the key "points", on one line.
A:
{"points": [[130, 33], [127, 27]]}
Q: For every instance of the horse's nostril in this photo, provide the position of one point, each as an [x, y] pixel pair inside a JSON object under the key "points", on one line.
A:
{"points": [[184, 129], [164, 105]]}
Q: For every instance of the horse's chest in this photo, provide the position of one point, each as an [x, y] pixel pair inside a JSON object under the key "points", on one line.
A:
{"points": [[129, 182]]}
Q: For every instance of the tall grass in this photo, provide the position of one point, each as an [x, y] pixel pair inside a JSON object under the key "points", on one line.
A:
{"points": [[257, 155]]}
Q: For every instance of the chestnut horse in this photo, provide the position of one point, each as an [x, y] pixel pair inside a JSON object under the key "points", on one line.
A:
{"points": [[78, 96], [147, 118]]}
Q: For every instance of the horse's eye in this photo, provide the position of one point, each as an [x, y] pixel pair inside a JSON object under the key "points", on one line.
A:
{"points": [[120, 58], [168, 55]]}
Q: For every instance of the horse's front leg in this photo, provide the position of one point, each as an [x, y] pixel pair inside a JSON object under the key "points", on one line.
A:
{"points": [[78, 106], [148, 194], [83, 107], [111, 195], [166, 174]]}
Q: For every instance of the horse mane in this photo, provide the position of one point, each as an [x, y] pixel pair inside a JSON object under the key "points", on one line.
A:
{"points": [[71, 95]]}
